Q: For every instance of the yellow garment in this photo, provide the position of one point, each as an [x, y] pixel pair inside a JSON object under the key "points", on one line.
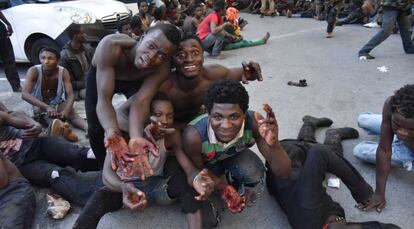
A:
{"points": [[232, 15]]}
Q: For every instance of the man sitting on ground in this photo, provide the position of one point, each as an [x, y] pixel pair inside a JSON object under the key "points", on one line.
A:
{"points": [[396, 145], [302, 195], [76, 57], [49, 90], [219, 141]]}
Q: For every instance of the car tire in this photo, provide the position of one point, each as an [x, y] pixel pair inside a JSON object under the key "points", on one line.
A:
{"points": [[38, 45]]}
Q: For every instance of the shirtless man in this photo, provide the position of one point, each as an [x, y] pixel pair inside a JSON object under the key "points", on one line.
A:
{"points": [[396, 145], [124, 65], [188, 84]]}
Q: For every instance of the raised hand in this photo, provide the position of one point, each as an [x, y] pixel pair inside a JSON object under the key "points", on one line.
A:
{"points": [[203, 184], [154, 130], [133, 198], [251, 72], [118, 147], [268, 127], [376, 201], [234, 202], [141, 148]]}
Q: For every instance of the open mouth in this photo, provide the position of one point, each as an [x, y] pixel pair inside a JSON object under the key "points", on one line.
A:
{"points": [[190, 67]]}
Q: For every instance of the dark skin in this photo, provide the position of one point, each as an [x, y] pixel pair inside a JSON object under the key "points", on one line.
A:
{"points": [[187, 86], [119, 57], [8, 172], [226, 121], [161, 121], [49, 86], [392, 123]]}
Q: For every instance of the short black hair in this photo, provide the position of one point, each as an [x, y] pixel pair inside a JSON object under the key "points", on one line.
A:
{"points": [[135, 22], [73, 29], [193, 36], [121, 24], [141, 1], [159, 97], [402, 101], [52, 50], [219, 5], [227, 91], [158, 13], [172, 33], [192, 9]]}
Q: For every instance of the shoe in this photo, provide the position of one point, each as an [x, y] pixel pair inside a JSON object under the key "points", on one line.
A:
{"points": [[329, 35], [68, 133], [262, 15], [317, 122], [289, 14], [371, 25], [366, 57], [17, 90], [218, 57]]}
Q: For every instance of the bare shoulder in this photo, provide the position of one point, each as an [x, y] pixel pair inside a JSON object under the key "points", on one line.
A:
{"points": [[215, 71], [386, 110], [110, 48]]}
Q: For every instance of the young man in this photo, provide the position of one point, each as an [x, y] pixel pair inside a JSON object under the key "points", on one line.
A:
{"points": [[302, 195], [49, 90], [211, 30], [7, 54], [192, 21], [143, 14], [76, 57], [187, 85], [394, 12], [124, 27], [17, 199], [220, 140], [396, 145], [168, 183], [43, 160], [124, 65], [136, 27]]}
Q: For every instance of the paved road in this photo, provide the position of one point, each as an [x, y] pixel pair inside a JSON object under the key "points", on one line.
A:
{"points": [[340, 86]]}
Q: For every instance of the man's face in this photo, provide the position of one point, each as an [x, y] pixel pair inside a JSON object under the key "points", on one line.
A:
{"points": [[403, 127], [143, 7], [81, 36], [48, 60], [153, 50], [126, 29], [163, 111], [226, 120], [189, 58], [198, 12]]}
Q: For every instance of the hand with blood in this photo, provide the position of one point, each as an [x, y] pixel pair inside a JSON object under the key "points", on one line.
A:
{"points": [[133, 198], [203, 184], [234, 202], [140, 148], [155, 130], [251, 72], [268, 127], [118, 148]]}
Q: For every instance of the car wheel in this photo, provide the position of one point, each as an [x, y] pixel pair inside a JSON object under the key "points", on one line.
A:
{"points": [[38, 45]]}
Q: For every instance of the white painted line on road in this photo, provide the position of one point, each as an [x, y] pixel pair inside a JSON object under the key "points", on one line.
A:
{"points": [[294, 33]]}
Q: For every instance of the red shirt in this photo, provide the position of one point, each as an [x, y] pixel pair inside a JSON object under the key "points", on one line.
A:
{"points": [[204, 27]]}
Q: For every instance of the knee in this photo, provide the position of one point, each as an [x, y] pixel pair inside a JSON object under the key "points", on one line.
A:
{"points": [[364, 120], [363, 149]]}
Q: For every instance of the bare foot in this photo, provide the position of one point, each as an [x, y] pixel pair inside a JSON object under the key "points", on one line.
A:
{"points": [[266, 37]]}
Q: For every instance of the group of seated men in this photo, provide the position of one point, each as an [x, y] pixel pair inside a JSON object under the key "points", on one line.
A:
{"points": [[159, 146]]}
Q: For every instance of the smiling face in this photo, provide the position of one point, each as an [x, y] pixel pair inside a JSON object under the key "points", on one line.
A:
{"points": [[163, 111], [153, 50], [226, 120], [189, 58], [403, 127]]}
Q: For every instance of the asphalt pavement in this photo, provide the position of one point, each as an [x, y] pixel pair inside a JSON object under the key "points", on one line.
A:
{"points": [[340, 86]]}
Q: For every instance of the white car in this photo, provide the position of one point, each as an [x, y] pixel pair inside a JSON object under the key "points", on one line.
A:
{"points": [[44, 22]]}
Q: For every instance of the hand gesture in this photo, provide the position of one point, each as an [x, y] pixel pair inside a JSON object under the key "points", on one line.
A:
{"points": [[154, 131], [31, 131], [141, 148], [234, 202], [133, 198], [268, 127], [251, 72], [52, 112], [119, 150], [203, 184], [376, 201]]}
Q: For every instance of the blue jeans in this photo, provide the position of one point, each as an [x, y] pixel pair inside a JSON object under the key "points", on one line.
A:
{"points": [[213, 43], [245, 169], [392, 15], [366, 151]]}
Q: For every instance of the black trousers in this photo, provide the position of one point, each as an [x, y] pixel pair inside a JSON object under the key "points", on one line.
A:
{"points": [[331, 19], [302, 196], [104, 200], [7, 58], [95, 131]]}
